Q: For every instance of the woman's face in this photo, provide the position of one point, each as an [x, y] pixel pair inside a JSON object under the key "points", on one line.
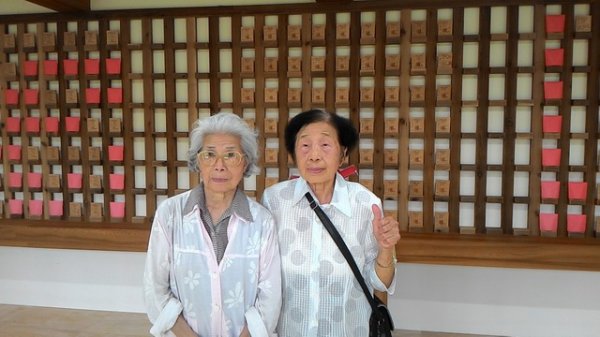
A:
{"points": [[221, 163], [318, 153]]}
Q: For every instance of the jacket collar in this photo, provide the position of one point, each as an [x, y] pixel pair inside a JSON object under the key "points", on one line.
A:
{"points": [[239, 205], [340, 199]]}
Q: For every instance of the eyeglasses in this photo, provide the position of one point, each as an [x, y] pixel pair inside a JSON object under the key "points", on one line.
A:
{"points": [[230, 158]]}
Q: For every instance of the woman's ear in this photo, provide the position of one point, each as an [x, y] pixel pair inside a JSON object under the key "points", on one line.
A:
{"points": [[246, 166], [342, 156]]}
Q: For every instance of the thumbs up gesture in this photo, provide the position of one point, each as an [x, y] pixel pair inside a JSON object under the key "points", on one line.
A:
{"points": [[385, 229]]}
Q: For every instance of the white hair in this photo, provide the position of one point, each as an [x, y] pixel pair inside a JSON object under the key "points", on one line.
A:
{"points": [[226, 123]]}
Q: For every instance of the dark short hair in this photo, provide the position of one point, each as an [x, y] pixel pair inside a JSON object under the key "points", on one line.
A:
{"points": [[347, 133]]}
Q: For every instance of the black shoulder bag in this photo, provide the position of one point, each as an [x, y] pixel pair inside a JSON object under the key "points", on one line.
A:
{"points": [[380, 323]]}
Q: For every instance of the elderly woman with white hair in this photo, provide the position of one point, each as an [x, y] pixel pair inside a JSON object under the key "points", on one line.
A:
{"points": [[213, 265]]}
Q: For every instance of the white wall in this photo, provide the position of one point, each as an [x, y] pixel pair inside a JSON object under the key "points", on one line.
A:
{"points": [[495, 301], [77, 279]]}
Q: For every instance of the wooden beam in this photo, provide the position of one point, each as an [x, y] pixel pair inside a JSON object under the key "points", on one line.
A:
{"points": [[75, 235], [429, 248], [500, 251], [64, 5]]}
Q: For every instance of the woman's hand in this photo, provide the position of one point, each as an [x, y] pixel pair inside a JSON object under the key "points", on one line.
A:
{"points": [[182, 328], [245, 332], [386, 230]]}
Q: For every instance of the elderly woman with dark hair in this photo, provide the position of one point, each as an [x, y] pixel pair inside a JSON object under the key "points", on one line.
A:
{"points": [[213, 265], [321, 295]]}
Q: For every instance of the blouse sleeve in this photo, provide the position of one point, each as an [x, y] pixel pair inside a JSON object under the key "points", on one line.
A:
{"points": [[372, 251], [162, 307], [262, 318]]}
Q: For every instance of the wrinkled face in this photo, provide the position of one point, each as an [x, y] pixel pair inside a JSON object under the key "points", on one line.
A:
{"points": [[221, 163], [318, 153]]}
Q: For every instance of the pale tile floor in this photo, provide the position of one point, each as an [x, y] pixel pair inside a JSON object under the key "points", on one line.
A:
{"points": [[26, 321]]}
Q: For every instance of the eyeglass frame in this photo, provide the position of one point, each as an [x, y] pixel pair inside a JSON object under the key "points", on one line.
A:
{"points": [[225, 161]]}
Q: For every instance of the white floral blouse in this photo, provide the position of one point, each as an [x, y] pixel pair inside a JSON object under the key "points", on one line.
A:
{"points": [[182, 274]]}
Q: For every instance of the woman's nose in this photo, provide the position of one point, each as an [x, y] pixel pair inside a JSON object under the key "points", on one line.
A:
{"points": [[219, 164], [314, 154]]}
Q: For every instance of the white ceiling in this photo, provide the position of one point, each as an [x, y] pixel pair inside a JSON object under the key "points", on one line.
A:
{"points": [[20, 7], [24, 7]]}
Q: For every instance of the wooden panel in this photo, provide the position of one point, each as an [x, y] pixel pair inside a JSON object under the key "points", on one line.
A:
{"points": [[510, 118], [514, 252], [100, 236], [401, 74], [482, 120]]}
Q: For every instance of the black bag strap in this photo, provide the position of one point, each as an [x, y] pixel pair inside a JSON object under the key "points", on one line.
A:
{"points": [[337, 238]]}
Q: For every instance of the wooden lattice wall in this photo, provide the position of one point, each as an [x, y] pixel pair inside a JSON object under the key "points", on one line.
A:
{"points": [[479, 125]]}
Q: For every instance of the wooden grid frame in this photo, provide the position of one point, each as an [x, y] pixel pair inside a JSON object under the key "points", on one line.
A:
{"points": [[281, 64]]}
